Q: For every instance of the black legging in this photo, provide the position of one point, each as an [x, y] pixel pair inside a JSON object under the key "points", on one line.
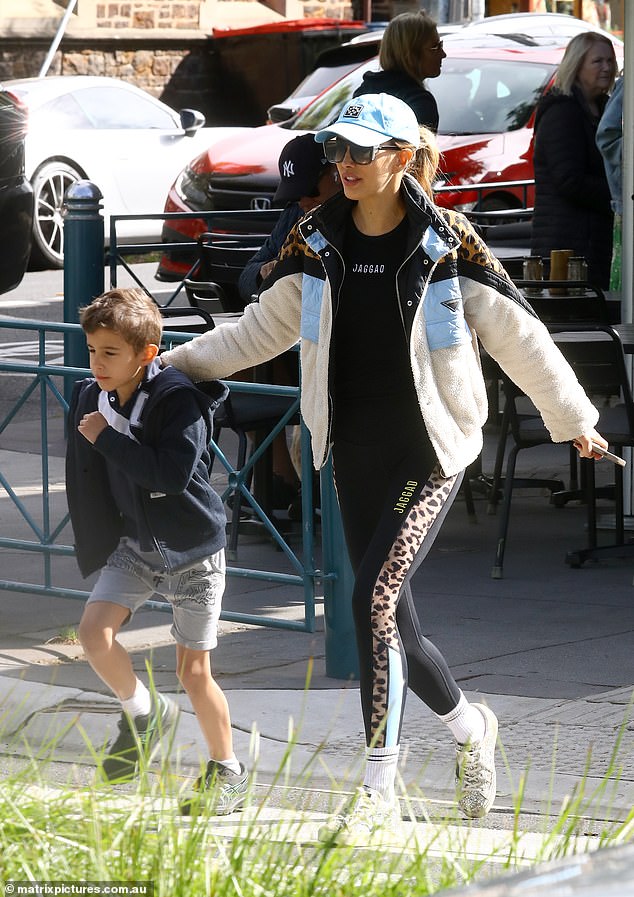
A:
{"points": [[393, 501]]}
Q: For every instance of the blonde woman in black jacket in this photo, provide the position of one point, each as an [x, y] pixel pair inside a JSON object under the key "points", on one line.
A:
{"points": [[572, 197], [411, 51]]}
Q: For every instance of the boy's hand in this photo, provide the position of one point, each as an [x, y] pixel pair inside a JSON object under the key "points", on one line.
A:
{"points": [[91, 425], [266, 268]]}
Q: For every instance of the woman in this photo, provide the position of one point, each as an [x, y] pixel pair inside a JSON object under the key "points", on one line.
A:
{"points": [[572, 196], [387, 293], [411, 51]]}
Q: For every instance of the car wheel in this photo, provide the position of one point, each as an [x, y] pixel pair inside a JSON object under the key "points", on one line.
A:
{"points": [[50, 183]]}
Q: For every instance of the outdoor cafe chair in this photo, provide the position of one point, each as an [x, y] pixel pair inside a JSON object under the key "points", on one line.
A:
{"points": [[583, 303], [221, 259], [596, 355], [187, 320]]}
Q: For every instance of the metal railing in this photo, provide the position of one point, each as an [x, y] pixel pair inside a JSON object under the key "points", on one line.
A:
{"points": [[83, 280], [521, 186], [45, 535], [118, 253], [333, 581]]}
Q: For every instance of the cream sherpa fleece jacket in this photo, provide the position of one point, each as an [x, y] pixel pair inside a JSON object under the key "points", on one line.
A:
{"points": [[453, 293]]}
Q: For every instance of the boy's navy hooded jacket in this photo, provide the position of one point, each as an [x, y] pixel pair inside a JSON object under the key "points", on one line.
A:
{"points": [[163, 473]]}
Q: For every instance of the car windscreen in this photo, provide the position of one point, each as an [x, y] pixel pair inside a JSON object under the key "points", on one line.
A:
{"points": [[486, 96], [474, 96], [114, 107], [325, 108], [321, 78]]}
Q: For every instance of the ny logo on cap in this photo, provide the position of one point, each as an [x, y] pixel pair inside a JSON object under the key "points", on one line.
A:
{"points": [[354, 110], [287, 169]]}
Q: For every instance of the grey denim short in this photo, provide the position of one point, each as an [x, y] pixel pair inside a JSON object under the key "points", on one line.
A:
{"points": [[131, 576]]}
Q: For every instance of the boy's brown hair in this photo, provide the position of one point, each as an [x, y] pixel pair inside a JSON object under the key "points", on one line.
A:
{"points": [[128, 312]]}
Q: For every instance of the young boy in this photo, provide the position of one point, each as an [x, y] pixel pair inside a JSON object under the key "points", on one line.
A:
{"points": [[143, 510]]}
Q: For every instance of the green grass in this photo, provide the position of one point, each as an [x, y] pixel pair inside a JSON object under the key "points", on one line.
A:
{"points": [[67, 635], [134, 834]]}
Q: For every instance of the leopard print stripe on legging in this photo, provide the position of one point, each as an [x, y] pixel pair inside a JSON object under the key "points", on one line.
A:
{"points": [[398, 566], [392, 509]]}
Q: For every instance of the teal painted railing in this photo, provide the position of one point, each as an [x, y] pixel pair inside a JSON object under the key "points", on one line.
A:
{"points": [[42, 380]]}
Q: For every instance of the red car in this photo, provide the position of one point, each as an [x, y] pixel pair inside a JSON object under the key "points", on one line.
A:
{"points": [[486, 98]]}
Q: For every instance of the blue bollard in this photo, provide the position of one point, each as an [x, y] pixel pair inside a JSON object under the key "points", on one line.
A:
{"points": [[342, 659], [83, 264]]}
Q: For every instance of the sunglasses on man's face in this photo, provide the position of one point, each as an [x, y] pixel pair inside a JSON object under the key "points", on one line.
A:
{"points": [[335, 149]]}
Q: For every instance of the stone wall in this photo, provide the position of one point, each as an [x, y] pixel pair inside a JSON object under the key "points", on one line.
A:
{"points": [[231, 80], [149, 67], [132, 18], [167, 47], [172, 14]]}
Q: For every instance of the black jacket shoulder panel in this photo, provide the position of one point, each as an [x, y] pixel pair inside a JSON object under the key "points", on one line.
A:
{"points": [[400, 84]]}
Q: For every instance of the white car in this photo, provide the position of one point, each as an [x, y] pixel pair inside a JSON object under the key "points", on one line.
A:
{"points": [[112, 133], [537, 25]]}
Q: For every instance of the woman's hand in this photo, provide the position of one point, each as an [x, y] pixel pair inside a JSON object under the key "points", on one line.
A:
{"points": [[583, 444]]}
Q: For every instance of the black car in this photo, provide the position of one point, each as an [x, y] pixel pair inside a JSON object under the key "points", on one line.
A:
{"points": [[16, 194]]}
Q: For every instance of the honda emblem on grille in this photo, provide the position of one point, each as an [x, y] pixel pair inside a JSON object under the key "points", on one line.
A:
{"points": [[260, 203]]}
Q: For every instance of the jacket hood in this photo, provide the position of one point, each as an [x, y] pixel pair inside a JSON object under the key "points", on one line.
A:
{"points": [[209, 394], [554, 97], [388, 81]]}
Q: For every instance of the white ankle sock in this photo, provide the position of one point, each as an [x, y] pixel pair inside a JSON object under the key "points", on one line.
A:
{"points": [[465, 722], [380, 770], [139, 703], [233, 764]]}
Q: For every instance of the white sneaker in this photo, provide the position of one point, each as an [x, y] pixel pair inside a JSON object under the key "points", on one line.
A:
{"points": [[475, 769], [368, 814]]}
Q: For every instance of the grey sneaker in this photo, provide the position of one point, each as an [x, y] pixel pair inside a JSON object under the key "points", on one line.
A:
{"points": [[368, 816], [218, 791], [138, 738], [475, 769]]}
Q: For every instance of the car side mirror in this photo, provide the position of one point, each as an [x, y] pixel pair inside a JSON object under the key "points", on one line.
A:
{"points": [[278, 114], [191, 121]]}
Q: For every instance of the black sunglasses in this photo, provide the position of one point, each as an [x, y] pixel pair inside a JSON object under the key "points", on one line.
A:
{"points": [[335, 149]]}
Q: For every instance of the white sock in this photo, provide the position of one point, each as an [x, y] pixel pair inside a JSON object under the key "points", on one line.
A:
{"points": [[232, 764], [139, 703], [465, 722], [380, 770]]}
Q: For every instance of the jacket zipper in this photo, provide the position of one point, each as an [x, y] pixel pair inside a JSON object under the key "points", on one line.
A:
{"points": [[334, 315], [400, 308]]}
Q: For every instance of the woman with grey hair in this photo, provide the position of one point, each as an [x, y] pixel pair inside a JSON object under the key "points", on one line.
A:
{"points": [[411, 51], [572, 197]]}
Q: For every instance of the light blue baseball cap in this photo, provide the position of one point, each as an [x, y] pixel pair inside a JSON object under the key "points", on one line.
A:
{"points": [[372, 119]]}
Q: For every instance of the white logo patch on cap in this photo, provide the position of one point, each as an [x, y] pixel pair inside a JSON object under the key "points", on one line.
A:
{"points": [[288, 171], [354, 110]]}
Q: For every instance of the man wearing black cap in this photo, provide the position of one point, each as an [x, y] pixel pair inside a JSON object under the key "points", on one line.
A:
{"points": [[306, 180]]}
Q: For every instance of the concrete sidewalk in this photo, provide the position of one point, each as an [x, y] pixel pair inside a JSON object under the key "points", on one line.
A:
{"points": [[548, 648]]}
